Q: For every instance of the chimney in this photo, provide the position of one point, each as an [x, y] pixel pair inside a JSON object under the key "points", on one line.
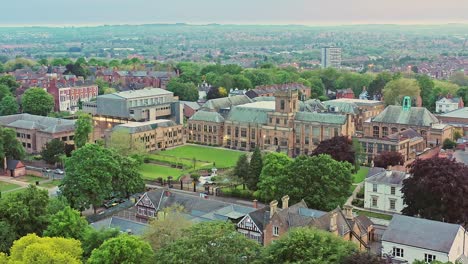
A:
{"points": [[348, 209], [273, 207], [255, 204], [285, 201], [333, 226]]}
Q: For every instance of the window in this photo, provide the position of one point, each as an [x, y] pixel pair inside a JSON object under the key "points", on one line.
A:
{"points": [[252, 134], [275, 230], [392, 190], [384, 131], [392, 204], [243, 132], [376, 131], [132, 112], [282, 104], [28, 136], [271, 121], [277, 120], [429, 258], [229, 130], [237, 132], [285, 121], [374, 187], [29, 145], [398, 252]]}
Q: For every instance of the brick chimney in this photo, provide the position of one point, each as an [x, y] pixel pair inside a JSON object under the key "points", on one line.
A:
{"points": [[348, 210], [333, 226], [273, 207], [255, 204], [285, 201]]}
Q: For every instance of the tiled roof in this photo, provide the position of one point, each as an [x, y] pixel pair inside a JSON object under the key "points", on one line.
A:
{"points": [[417, 116], [321, 118], [206, 116], [405, 134], [40, 123], [421, 233], [358, 102], [193, 105], [311, 105]]}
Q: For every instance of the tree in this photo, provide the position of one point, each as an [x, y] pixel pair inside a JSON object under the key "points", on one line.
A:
{"points": [[34, 249], [339, 148], [8, 106], [88, 181], [185, 91], [308, 245], [210, 242], [449, 144], [389, 158], [456, 135], [67, 223], [274, 174], [446, 181], [255, 169], [353, 80], [258, 77], [128, 179], [83, 129], [241, 82], [26, 211], [7, 236], [95, 238], [36, 101], [77, 69], [10, 82], [427, 86], [102, 85], [52, 151], [317, 87], [122, 249], [10, 147], [213, 93], [359, 154], [241, 170], [377, 85], [329, 76], [167, 227], [4, 91], [395, 90], [433, 262], [321, 181], [459, 78], [122, 143], [363, 258]]}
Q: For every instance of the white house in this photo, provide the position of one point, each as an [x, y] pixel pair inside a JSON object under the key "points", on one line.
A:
{"points": [[445, 104], [409, 239], [383, 190]]}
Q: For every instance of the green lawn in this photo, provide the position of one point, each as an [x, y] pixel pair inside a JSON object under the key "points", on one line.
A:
{"points": [[223, 158], [153, 171], [30, 179], [51, 184], [6, 186], [375, 215], [360, 175]]}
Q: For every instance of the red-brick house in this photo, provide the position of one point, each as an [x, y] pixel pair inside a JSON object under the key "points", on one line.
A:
{"points": [[15, 168], [345, 93]]}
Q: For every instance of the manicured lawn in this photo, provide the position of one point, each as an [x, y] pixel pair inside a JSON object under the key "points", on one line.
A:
{"points": [[51, 184], [360, 175], [30, 179], [186, 163], [6, 186], [375, 215], [153, 171], [223, 158]]}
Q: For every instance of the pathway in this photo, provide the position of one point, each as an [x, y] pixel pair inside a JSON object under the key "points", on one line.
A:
{"points": [[23, 185], [355, 192]]}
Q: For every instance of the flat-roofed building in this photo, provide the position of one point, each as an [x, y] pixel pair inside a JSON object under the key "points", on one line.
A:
{"points": [[458, 119], [35, 131]]}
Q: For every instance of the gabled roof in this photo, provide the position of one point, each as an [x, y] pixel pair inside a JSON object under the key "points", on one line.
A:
{"points": [[14, 164], [225, 102], [40, 123], [207, 116], [328, 118], [421, 233], [405, 134], [388, 177], [342, 106], [312, 105], [193, 105], [454, 100], [256, 112], [261, 217], [417, 116]]}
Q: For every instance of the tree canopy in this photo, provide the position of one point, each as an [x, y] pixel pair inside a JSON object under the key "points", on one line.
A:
{"points": [[10, 147], [8, 106], [395, 90], [274, 174], [339, 148], [122, 249], [67, 223], [446, 180], [83, 129], [255, 169], [53, 150], [36, 101], [185, 91], [389, 158]]}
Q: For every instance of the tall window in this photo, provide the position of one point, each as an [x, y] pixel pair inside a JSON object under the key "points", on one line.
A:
{"points": [[374, 187], [282, 104], [384, 131], [429, 258], [392, 204], [398, 252], [376, 131], [374, 201], [392, 190], [276, 230]]}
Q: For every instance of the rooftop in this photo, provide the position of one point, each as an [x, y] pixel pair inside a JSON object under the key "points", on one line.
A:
{"points": [[256, 112], [207, 116], [459, 113], [387, 177], [359, 102], [146, 92], [417, 116], [40, 123], [136, 127], [328, 118]]}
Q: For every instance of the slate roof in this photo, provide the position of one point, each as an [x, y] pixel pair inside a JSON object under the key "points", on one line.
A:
{"points": [[342, 106], [421, 233], [121, 224], [405, 134], [388, 177], [312, 105], [225, 102], [459, 113], [358, 102], [261, 217], [328, 118], [373, 171], [146, 92], [40, 123], [256, 112], [136, 127], [13, 164], [207, 116], [193, 105], [417, 116]]}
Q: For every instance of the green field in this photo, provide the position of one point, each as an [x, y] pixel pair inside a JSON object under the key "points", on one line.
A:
{"points": [[30, 179], [153, 171], [50, 184], [223, 158], [360, 175], [5, 186]]}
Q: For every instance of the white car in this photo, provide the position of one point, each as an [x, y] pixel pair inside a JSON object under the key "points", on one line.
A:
{"points": [[59, 171]]}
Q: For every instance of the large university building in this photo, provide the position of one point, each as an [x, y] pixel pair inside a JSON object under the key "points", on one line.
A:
{"points": [[281, 123]]}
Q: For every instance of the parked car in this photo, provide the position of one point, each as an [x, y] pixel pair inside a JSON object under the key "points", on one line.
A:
{"points": [[46, 170], [59, 171], [113, 202]]}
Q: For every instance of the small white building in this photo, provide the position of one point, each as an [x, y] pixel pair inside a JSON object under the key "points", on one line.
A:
{"points": [[408, 239], [445, 104], [383, 190]]}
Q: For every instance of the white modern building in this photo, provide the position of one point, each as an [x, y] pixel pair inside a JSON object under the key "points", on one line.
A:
{"points": [[408, 239], [445, 104], [331, 57], [383, 190]]}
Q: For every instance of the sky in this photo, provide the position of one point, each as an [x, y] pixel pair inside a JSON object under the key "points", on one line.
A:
{"points": [[304, 12]]}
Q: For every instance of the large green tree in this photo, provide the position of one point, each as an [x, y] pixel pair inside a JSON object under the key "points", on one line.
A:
{"points": [[83, 129], [127, 180], [37, 101], [241, 170], [8, 106], [395, 90], [123, 249], [355, 81], [329, 76], [446, 181], [321, 181], [377, 85], [53, 151], [4, 91], [7, 236], [274, 174], [10, 147], [94, 238], [255, 169], [9, 81], [67, 223], [427, 86], [308, 245], [185, 91], [210, 243], [339, 148]]}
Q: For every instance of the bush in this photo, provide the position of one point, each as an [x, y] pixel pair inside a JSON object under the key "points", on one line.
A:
{"points": [[449, 144], [358, 202], [360, 194]]}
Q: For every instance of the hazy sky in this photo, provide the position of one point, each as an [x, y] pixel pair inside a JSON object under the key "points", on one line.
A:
{"points": [[49, 12]]}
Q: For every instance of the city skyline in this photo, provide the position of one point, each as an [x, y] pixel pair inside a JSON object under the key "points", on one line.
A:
{"points": [[312, 12]]}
